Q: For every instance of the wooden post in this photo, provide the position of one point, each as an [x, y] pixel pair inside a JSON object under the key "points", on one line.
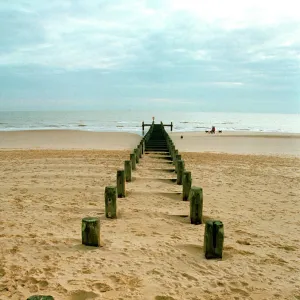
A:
{"points": [[127, 168], [140, 150], [175, 155], [133, 161], [90, 231], [178, 157], [143, 146], [213, 239], [171, 126], [121, 183], [137, 155], [111, 202], [196, 205], [180, 170], [187, 183]]}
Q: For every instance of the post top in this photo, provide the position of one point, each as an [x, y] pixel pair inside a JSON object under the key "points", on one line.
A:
{"points": [[90, 219], [196, 188], [110, 187]]}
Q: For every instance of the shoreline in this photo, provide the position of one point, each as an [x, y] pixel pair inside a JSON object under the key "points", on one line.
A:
{"points": [[239, 142], [139, 132]]}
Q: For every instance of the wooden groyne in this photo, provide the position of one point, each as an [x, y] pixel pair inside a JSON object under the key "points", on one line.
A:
{"points": [[155, 145], [158, 141]]}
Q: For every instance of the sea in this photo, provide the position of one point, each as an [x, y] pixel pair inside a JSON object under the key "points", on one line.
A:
{"points": [[131, 121]]}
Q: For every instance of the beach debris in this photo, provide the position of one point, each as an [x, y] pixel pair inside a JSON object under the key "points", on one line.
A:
{"points": [[213, 239], [196, 205], [90, 231], [128, 170], [111, 202], [121, 183], [186, 185], [40, 297], [180, 170]]}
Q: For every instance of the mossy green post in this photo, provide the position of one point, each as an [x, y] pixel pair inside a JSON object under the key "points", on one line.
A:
{"points": [[180, 170], [172, 152], [186, 185], [137, 155], [40, 297], [127, 168], [178, 157], [111, 202], [121, 183], [175, 155], [143, 146], [213, 239], [90, 231], [140, 150], [133, 161], [196, 205]]}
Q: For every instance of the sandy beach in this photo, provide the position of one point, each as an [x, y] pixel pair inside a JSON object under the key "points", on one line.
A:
{"points": [[67, 139], [250, 183]]}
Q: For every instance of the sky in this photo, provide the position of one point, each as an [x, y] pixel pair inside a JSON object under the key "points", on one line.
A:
{"points": [[179, 55]]}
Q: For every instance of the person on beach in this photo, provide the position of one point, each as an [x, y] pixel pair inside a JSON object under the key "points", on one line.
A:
{"points": [[213, 129]]}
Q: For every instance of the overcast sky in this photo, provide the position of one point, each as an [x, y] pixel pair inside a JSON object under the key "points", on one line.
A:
{"points": [[188, 55]]}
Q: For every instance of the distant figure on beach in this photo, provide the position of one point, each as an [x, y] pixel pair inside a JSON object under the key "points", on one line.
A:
{"points": [[181, 137], [213, 130]]}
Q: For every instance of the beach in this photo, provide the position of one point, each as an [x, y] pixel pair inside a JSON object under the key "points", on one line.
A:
{"points": [[51, 179]]}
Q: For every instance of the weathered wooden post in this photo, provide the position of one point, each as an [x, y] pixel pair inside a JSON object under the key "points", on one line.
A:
{"points": [[121, 183], [139, 147], [133, 161], [137, 155], [143, 146], [111, 202], [128, 168], [90, 231], [175, 155], [187, 183], [213, 239], [180, 170], [178, 157], [196, 205]]}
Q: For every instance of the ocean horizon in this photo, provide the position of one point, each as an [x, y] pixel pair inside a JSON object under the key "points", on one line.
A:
{"points": [[131, 121]]}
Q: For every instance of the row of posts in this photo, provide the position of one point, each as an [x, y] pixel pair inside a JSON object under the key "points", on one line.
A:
{"points": [[214, 229], [91, 226]]}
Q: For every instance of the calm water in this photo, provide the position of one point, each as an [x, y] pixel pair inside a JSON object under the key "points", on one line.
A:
{"points": [[130, 121]]}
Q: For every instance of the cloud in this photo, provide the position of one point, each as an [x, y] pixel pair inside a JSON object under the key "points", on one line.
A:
{"points": [[181, 48]]}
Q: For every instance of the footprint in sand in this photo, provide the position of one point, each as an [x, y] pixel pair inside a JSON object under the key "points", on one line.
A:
{"points": [[102, 287], [82, 295]]}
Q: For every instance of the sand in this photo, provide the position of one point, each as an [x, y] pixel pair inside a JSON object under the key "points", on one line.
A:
{"points": [[67, 139], [151, 251], [239, 142]]}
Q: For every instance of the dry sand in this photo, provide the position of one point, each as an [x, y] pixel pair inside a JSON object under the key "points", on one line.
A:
{"points": [[67, 139], [151, 251], [239, 142]]}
